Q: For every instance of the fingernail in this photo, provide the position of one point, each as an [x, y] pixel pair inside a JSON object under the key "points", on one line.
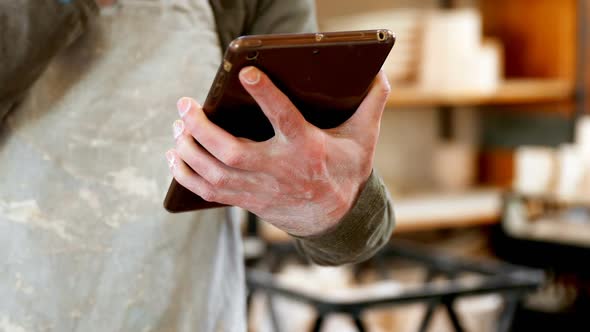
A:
{"points": [[178, 128], [250, 75], [171, 159], [183, 105]]}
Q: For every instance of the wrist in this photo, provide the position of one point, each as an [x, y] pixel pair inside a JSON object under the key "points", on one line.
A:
{"points": [[337, 208]]}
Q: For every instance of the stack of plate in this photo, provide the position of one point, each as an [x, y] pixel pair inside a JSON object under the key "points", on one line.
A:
{"points": [[402, 63]]}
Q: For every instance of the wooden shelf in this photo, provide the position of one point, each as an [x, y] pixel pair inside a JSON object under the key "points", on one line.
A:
{"points": [[580, 202], [436, 211], [555, 231], [433, 211], [510, 92]]}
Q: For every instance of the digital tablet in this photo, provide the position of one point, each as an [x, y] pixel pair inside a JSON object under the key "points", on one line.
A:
{"points": [[325, 75]]}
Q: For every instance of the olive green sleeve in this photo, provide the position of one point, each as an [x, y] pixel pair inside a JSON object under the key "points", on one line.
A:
{"points": [[360, 234], [31, 33]]}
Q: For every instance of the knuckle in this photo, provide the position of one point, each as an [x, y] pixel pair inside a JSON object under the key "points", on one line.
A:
{"points": [[386, 89], [219, 178], [284, 106], [207, 193], [234, 157], [288, 124], [285, 119]]}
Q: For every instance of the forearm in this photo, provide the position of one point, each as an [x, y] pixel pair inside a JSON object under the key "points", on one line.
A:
{"points": [[359, 235], [31, 33]]}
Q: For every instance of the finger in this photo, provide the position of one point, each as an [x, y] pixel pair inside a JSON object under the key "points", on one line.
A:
{"points": [[191, 180], [222, 145], [186, 177], [203, 163], [367, 118], [282, 114]]}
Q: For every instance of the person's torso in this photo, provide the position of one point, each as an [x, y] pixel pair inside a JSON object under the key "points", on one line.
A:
{"points": [[84, 240]]}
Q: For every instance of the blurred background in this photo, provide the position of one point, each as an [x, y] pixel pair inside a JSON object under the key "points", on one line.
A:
{"points": [[485, 148]]}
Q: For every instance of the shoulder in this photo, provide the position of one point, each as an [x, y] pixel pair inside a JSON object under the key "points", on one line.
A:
{"points": [[247, 17]]}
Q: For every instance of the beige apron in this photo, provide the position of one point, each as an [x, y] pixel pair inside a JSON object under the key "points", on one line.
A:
{"points": [[85, 244]]}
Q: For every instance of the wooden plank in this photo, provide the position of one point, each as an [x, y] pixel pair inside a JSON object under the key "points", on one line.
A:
{"points": [[436, 211], [539, 36], [496, 167], [510, 92], [431, 211]]}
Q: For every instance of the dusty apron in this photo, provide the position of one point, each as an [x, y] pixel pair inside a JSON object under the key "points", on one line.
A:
{"points": [[85, 244]]}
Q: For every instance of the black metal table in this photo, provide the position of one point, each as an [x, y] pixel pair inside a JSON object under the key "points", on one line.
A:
{"points": [[512, 282]]}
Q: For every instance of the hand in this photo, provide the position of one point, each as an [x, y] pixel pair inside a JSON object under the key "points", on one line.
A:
{"points": [[303, 180]]}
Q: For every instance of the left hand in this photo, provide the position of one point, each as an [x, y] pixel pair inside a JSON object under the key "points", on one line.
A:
{"points": [[303, 180]]}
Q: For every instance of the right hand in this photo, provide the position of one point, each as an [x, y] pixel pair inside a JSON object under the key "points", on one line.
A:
{"points": [[303, 180]]}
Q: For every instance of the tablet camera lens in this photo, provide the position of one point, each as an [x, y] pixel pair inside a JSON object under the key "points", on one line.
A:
{"points": [[252, 55]]}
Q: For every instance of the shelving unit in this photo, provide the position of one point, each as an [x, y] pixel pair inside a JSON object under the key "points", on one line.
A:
{"points": [[476, 207], [545, 43], [545, 66]]}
